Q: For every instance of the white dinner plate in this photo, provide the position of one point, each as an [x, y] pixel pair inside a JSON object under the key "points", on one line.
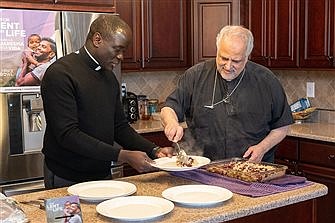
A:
{"points": [[100, 190], [135, 208], [197, 195], [170, 164]]}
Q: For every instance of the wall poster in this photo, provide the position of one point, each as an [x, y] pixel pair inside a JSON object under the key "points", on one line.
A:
{"points": [[27, 46]]}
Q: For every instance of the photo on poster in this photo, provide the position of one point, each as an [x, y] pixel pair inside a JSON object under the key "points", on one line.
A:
{"points": [[63, 210], [27, 46]]}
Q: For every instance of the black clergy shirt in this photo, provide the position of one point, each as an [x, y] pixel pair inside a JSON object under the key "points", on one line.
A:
{"points": [[84, 117], [257, 106]]}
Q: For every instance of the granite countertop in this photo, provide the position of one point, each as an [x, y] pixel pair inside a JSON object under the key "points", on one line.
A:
{"points": [[152, 125], [316, 131], [147, 126], [152, 184]]}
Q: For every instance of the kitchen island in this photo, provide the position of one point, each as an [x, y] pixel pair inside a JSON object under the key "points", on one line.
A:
{"points": [[290, 206]]}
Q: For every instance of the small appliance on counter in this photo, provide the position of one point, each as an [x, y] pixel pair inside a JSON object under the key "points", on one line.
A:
{"points": [[130, 106]]}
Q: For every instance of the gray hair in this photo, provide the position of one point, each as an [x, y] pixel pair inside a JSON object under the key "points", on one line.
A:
{"points": [[239, 31]]}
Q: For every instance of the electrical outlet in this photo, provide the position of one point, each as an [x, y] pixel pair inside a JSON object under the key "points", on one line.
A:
{"points": [[310, 89]]}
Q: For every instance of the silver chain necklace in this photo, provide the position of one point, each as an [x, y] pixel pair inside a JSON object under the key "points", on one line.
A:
{"points": [[226, 99]]}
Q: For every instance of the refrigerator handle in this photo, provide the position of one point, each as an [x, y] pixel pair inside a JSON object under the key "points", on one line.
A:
{"points": [[59, 47], [67, 41]]}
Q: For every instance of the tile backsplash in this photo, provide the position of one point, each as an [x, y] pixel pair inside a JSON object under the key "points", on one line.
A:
{"points": [[160, 84], [295, 81]]}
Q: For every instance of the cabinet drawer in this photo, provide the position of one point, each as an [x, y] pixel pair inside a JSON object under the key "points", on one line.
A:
{"points": [[318, 153], [287, 149]]}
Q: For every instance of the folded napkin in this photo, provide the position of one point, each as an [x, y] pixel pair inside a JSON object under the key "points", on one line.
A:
{"points": [[252, 189], [287, 180]]}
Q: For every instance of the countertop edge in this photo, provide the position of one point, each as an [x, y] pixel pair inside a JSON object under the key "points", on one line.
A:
{"points": [[314, 137], [258, 208], [315, 131]]}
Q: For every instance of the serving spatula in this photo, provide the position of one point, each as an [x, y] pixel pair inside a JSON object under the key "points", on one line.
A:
{"points": [[182, 157]]}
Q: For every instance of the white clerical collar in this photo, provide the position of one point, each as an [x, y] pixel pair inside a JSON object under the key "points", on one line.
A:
{"points": [[98, 67]]}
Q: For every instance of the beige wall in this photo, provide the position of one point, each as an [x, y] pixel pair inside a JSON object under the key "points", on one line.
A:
{"points": [[161, 84]]}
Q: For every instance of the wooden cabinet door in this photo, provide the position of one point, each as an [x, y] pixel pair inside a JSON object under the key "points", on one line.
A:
{"points": [[283, 32], [27, 4], [209, 16], [159, 33], [287, 154], [317, 153], [130, 12], [258, 15], [324, 176], [288, 149], [317, 163], [317, 33], [165, 34], [301, 212], [274, 24]]}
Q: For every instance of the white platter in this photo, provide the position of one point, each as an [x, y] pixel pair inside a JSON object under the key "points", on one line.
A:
{"points": [[169, 164], [135, 208], [100, 190], [197, 195]]}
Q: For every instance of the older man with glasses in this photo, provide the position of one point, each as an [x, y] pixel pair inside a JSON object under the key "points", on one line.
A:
{"points": [[233, 107]]}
